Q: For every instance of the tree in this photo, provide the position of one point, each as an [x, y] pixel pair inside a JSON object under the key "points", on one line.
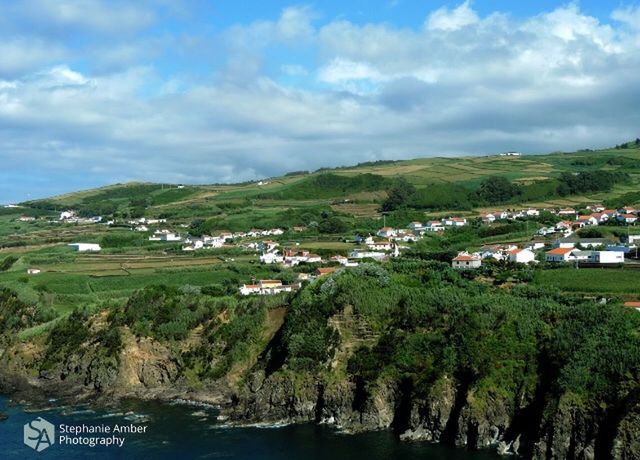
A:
{"points": [[332, 224], [497, 189], [398, 196]]}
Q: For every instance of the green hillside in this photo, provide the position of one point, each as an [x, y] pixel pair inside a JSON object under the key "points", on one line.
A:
{"points": [[439, 184]]}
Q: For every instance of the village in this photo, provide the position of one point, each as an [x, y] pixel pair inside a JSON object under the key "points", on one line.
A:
{"points": [[560, 243]]}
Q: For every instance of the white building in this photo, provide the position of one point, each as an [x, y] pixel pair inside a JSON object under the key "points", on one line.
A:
{"points": [[165, 235], [33, 271], [454, 222], [560, 254], [521, 256], [434, 226], [357, 254], [628, 218], [466, 261], [85, 247], [267, 287], [607, 257], [387, 232], [381, 246], [588, 220], [64, 215], [271, 258]]}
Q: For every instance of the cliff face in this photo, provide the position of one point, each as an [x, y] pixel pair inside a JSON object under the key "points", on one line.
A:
{"points": [[454, 411], [448, 414], [143, 368]]}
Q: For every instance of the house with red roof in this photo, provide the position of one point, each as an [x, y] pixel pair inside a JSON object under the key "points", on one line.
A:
{"points": [[558, 255], [521, 256], [635, 305], [466, 261]]}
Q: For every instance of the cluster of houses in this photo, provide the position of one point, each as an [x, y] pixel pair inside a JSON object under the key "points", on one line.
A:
{"points": [[292, 257], [272, 287], [511, 253], [204, 242], [566, 250], [66, 217], [71, 217], [419, 228], [267, 287], [572, 219]]}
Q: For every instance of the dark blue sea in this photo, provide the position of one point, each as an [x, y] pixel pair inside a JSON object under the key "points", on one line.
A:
{"points": [[180, 431]]}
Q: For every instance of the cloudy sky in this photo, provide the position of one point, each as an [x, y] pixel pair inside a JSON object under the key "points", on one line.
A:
{"points": [[94, 92]]}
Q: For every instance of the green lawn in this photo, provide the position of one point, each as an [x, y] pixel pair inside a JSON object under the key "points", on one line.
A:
{"points": [[592, 280]]}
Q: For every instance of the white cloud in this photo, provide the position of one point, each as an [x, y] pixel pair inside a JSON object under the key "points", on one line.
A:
{"points": [[340, 70], [294, 25], [629, 15], [95, 15], [559, 80], [445, 19], [21, 55]]}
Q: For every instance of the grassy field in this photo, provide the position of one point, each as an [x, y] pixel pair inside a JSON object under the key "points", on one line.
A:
{"points": [[352, 194], [465, 171], [617, 281]]}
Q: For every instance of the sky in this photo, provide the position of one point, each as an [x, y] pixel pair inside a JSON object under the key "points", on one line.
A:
{"points": [[96, 92]]}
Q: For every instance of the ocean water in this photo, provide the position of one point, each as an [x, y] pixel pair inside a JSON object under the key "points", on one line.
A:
{"points": [[179, 431]]}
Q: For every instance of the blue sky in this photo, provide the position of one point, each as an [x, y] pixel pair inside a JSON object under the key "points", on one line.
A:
{"points": [[94, 92]]}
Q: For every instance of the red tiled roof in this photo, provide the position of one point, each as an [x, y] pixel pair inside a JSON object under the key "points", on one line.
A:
{"points": [[632, 304], [464, 258], [560, 251], [325, 270]]}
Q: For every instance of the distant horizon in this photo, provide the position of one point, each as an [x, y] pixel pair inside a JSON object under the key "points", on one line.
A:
{"points": [[101, 92], [321, 168]]}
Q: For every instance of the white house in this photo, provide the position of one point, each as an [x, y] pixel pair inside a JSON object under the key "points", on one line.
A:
{"points": [[631, 239], [588, 220], [380, 245], [85, 247], [342, 260], [415, 226], [272, 258], [434, 226], [628, 218], [534, 245], [267, 287], [466, 261], [607, 257], [564, 244], [64, 215], [601, 217], [455, 222], [387, 232], [33, 271], [488, 217], [531, 212], [164, 235], [493, 252], [357, 254], [567, 212], [521, 256], [559, 254]]}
